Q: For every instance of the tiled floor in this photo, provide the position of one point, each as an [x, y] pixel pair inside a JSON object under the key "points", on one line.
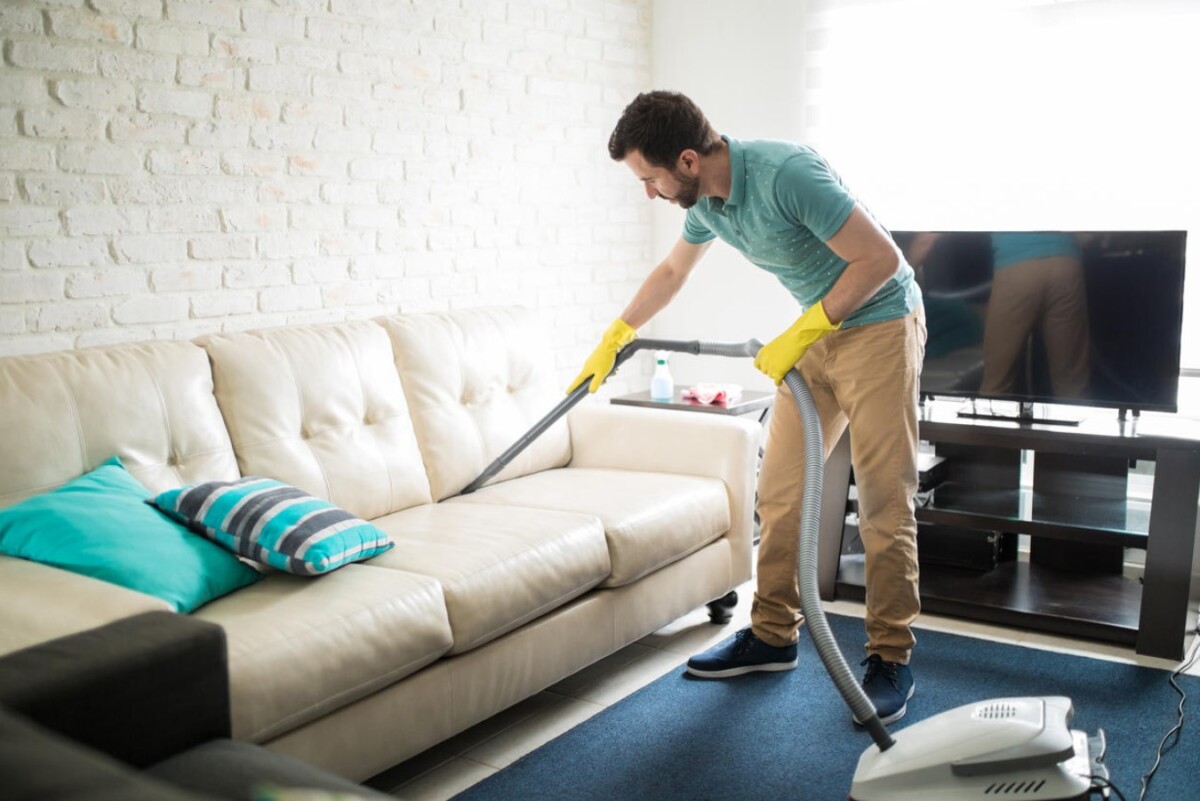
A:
{"points": [[451, 767]]}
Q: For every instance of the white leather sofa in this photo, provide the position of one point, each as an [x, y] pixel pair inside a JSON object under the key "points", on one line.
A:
{"points": [[615, 522]]}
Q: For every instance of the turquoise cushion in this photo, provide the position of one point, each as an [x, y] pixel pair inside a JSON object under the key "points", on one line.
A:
{"points": [[100, 525], [275, 524]]}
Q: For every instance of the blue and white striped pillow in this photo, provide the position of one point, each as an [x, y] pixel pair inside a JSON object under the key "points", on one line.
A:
{"points": [[274, 524]]}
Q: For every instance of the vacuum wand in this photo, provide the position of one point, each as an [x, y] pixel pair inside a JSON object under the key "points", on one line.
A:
{"points": [[810, 516], [696, 347]]}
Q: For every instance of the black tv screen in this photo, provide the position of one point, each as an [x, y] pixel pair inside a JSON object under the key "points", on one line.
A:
{"points": [[1089, 318]]}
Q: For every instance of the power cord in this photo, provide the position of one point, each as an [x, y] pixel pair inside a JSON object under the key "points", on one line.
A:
{"points": [[1102, 783], [1178, 727]]}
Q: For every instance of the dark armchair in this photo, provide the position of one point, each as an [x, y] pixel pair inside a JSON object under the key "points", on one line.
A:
{"points": [[136, 709]]}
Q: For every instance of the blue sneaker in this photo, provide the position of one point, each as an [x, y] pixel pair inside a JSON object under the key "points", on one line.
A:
{"points": [[889, 685], [745, 653]]}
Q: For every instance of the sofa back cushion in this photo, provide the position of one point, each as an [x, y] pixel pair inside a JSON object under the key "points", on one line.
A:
{"points": [[151, 403], [476, 380], [320, 407]]}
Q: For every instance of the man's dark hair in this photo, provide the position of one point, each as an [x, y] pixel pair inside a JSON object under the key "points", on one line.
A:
{"points": [[661, 125]]}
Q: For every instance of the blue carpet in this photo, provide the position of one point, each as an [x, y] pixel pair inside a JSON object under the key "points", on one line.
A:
{"points": [[789, 735]]}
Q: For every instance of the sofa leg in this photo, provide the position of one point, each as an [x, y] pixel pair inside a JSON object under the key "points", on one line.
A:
{"points": [[721, 610]]}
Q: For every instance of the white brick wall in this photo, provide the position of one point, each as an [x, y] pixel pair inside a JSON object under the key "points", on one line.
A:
{"points": [[174, 167]]}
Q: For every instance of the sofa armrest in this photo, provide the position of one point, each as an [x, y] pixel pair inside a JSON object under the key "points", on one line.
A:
{"points": [[672, 441], [139, 689]]}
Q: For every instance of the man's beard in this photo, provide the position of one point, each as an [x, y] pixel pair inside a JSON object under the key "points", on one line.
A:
{"points": [[689, 190]]}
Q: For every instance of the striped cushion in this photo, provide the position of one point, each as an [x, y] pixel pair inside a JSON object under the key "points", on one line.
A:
{"points": [[274, 524]]}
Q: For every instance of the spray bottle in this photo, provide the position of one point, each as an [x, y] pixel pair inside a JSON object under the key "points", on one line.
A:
{"points": [[662, 386]]}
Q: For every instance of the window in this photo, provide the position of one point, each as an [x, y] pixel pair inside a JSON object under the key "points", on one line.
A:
{"points": [[1014, 114]]}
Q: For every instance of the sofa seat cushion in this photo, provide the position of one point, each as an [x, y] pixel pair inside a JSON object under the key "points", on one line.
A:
{"points": [[650, 519], [235, 769], [39, 603], [498, 566], [300, 647], [39, 763]]}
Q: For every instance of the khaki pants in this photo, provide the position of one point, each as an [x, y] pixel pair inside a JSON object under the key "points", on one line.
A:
{"points": [[865, 378], [1048, 292]]}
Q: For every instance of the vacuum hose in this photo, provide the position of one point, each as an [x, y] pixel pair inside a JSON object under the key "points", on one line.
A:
{"points": [[810, 598], [810, 511]]}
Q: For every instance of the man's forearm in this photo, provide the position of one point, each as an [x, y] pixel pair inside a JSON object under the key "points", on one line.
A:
{"points": [[858, 284], [871, 259], [655, 293]]}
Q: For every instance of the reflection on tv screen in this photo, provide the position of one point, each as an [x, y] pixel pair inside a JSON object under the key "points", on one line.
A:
{"points": [[1076, 317]]}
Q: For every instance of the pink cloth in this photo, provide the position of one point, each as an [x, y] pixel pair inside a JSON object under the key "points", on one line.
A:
{"points": [[713, 394]]}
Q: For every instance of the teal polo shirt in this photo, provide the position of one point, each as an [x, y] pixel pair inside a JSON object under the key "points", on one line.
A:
{"points": [[1009, 248], [785, 203]]}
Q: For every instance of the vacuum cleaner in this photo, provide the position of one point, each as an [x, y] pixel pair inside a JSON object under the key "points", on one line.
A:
{"points": [[1013, 748]]}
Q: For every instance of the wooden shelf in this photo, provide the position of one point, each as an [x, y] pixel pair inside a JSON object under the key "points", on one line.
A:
{"points": [[1073, 518], [1024, 596]]}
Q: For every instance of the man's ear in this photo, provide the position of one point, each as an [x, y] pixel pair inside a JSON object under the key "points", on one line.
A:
{"points": [[688, 162]]}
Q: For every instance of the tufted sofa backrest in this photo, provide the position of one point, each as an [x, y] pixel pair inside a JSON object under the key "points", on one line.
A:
{"points": [[151, 403], [476, 380], [320, 407]]}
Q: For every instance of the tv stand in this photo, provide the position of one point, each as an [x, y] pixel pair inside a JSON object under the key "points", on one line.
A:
{"points": [[1025, 416], [1077, 514], [1026, 412]]}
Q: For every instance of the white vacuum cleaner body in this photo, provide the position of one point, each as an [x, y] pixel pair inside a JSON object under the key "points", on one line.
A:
{"points": [[1003, 747]]}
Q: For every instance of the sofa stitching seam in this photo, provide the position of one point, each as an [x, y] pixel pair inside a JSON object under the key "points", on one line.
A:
{"points": [[75, 416]]}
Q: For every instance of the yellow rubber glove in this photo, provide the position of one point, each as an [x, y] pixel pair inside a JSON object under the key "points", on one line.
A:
{"points": [[601, 362], [781, 353]]}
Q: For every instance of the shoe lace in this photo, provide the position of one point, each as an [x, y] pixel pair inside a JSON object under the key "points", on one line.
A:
{"points": [[876, 667], [745, 641]]}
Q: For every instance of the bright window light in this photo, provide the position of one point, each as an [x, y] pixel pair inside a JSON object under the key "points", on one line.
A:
{"points": [[996, 114]]}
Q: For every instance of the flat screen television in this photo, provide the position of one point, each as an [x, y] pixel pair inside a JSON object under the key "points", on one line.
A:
{"points": [[1084, 318]]}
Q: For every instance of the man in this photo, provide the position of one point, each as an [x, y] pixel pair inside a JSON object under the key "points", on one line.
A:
{"points": [[1037, 283], [858, 345]]}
